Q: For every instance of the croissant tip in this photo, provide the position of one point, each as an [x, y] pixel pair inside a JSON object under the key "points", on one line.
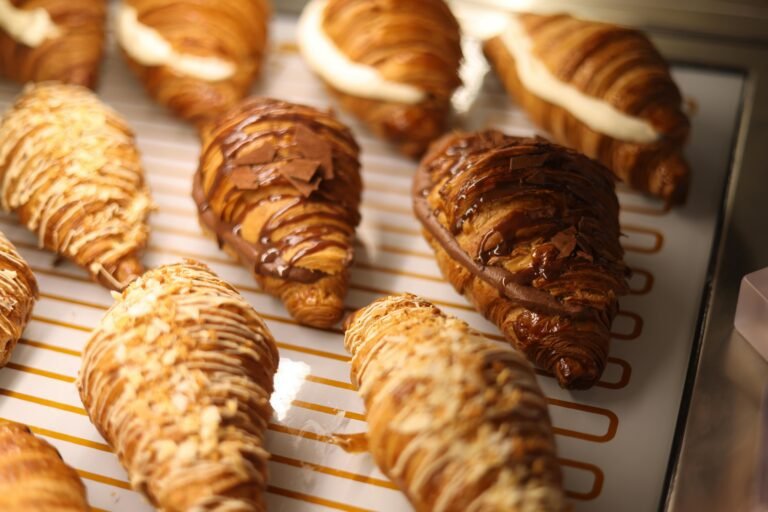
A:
{"points": [[573, 374], [128, 270], [673, 175]]}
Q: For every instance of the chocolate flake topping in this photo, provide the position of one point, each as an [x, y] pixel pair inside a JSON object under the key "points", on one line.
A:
{"points": [[565, 242]]}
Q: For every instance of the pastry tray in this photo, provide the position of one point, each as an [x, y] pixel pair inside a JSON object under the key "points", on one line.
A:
{"points": [[614, 440]]}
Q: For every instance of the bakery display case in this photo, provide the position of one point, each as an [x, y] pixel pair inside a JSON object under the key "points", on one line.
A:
{"points": [[671, 424]]}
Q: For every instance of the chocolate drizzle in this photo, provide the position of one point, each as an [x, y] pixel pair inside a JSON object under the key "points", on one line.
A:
{"points": [[276, 152], [474, 171]]}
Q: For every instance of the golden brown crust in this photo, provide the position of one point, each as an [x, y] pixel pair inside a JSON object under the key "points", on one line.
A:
{"points": [[18, 293], [33, 478], [279, 186], [70, 169], [407, 41], [177, 378], [617, 65], [72, 57], [232, 30], [528, 231], [456, 420]]}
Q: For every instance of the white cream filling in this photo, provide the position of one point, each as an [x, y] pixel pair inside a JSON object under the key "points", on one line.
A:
{"points": [[148, 47], [599, 115], [29, 27], [345, 75]]}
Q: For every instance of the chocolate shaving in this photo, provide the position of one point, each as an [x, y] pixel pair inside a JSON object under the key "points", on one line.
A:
{"points": [[260, 155], [315, 147], [245, 178], [302, 174], [565, 242]]}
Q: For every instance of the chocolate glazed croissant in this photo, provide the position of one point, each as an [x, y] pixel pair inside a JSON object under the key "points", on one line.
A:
{"points": [[59, 40], [177, 378], [528, 231], [279, 187], [623, 81], [33, 478], [70, 169], [18, 293], [197, 58], [456, 420], [412, 46]]}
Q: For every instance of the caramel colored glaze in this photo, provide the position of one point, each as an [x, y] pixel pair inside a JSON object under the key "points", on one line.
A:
{"points": [[232, 30], [455, 420], [177, 378], [33, 478], [411, 42], [622, 67], [73, 57], [295, 235], [71, 171], [528, 231], [18, 293]]}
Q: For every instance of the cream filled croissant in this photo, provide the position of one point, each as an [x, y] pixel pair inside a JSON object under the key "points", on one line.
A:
{"points": [[70, 169], [602, 89], [33, 478], [177, 378], [392, 63], [59, 40], [279, 187], [197, 58], [528, 231], [456, 420], [18, 292]]}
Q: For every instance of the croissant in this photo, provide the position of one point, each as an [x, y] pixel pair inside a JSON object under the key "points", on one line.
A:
{"points": [[197, 58], [18, 292], [44, 40], [528, 231], [33, 477], [602, 89], [456, 420], [177, 378], [279, 187], [393, 64], [70, 169]]}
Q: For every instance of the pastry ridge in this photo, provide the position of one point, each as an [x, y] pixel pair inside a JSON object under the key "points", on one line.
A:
{"points": [[177, 378], [33, 477], [456, 420], [70, 169], [528, 231], [415, 43], [74, 56], [621, 67], [279, 187]]}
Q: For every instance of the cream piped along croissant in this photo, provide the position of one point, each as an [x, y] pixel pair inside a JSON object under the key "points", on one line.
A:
{"points": [[602, 89], [70, 169], [18, 293], [197, 58], [392, 63], [177, 378], [456, 420], [33, 478], [528, 232], [44, 40], [279, 187]]}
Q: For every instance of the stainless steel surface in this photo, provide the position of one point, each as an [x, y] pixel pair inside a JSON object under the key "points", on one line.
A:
{"points": [[718, 433]]}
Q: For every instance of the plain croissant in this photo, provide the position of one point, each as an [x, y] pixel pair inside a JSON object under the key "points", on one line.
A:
{"points": [[70, 169], [177, 378], [456, 420], [279, 187], [33, 478], [621, 67], [71, 53], [410, 42], [18, 292], [219, 49], [528, 231]]}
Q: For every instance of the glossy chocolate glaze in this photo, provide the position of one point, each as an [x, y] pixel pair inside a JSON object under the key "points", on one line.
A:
{"points": [[298, 139]]}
